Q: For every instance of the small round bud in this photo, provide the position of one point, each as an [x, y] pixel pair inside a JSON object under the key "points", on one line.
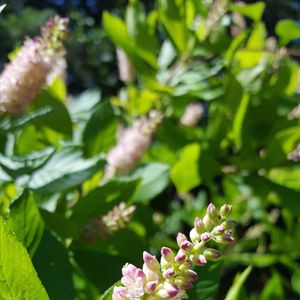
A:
{"points": [[212, 254], [151, 262], [180, 239], [205, 236], [212, 214], [194, 235]]}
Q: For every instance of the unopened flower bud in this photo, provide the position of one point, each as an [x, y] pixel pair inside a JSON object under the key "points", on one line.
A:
{"points": [[180, 239], [186, 245], [167, 253], [180, 257], [212, 214], [151, 287], [205, 236], [151, 261], [199, 226], [190, 275], [169, 273], [199, 260], [229, 224], [220, 229], [225, 211], [194, 235], [212, 254], [207, 222]]}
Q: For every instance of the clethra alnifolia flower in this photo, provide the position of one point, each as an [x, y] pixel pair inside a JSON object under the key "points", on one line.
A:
{"points": [[173, 275], [194, 112], [131, 145], [29, 70], [106, 225]]}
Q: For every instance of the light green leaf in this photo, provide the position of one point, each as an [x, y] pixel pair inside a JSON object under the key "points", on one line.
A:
{"points": [[237, 285], [253, 11], [185, 173], [155, 178], [117, 31], [65, 169], [286, 176], [287, 30], [25, 221], [18, 278], [171, 14], [238, 121]]}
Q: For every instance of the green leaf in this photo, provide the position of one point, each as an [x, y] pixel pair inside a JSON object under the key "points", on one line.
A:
{"points": [[100, 130], [21, 165], [25, 221], [18, 278], [64, 170], [155, 178], [238, 122], [286, 176], [237, 285], [59, 119], [207, 287], [108, 294], [80, 109], [171, 14], [31, 117], [53, 265], [185, 172], [253, 11], [117, 31], [142, 33], [295, 281], [102, 199], [273, 289], [287, 30]]}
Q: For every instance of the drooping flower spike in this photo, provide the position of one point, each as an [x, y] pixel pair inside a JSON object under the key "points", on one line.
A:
{"points": [[131, 145], [32, 67], [173, 275]]}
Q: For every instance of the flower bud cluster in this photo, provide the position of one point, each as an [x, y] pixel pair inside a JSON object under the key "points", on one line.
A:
{"points": [[194, 112], [28, 71], [131, 145], [104, 226], [126, 69], [173, 275]]}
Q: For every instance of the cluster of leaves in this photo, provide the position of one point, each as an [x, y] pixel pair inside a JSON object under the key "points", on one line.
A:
{"points": [[52, 159]]}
